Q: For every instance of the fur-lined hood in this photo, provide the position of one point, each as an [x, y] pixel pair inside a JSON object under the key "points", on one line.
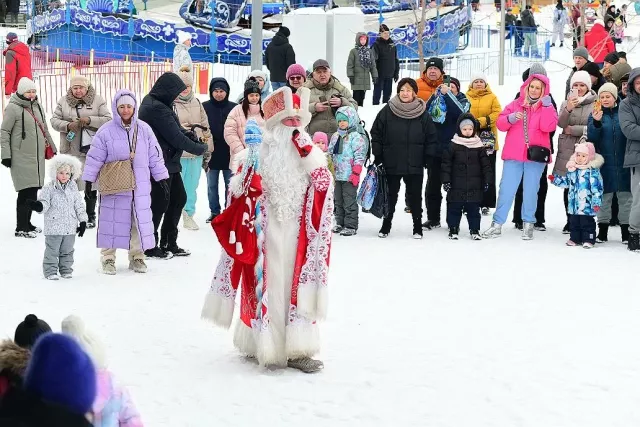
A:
{"points": [[64, 160], [13, 358]]}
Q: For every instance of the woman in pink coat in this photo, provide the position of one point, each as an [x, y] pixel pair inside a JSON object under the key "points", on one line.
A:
{"points": [[527, 120], [250, 108]]}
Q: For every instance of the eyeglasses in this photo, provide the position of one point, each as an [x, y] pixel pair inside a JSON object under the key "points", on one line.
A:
{"points": [[296, 78]]}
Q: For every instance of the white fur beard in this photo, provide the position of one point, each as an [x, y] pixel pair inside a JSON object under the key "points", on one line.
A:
{"points": [[284, 179]]}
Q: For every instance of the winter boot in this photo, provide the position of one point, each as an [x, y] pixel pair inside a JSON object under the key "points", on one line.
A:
{"points": [[486, 211], [407, 209], [634, 242], [527, 231], [553, 45], [109, 267], [587, 245], [539, 226], [494, 231], [571, 243], [158, 253], [348, 232], [26, 234], [453, 233], [176, 250], [52, 277], [306, 365], [417, 233], [561, 44], [35, 229], [91, 223], [624, 230], [603, 230], [518, 225], [566, 229], [430, 225], [475, 235], [188, 223], [211, 217], [138, 265], [337, 229], [385, 229], [66, 275]]}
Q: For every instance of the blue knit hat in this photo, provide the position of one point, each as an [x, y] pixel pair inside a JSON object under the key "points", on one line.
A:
{"points": [[252, 133], [61, 372]]}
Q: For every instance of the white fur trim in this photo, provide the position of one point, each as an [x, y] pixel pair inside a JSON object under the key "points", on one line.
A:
{"points": [[597, 162], [238, 159], [74, 327], [65, 160], [268, 353], [308, 302], [303, 340], [232, 237], [314, 160], [244, 339], [322, 304], [218, 310]]}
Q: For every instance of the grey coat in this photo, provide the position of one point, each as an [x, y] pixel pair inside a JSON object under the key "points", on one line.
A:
{"points": [[62, 206], [576, 121], [629, 115], [25, 149], [359, 75], [325, 121]]}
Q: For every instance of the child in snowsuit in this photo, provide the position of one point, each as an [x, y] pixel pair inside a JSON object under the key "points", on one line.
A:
{"points": [[113, 407], [64, 216], [466, 175], [585, 194], [348, 150], [321, 141]]}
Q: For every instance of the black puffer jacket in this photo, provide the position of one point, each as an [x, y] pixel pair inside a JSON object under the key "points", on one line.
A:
{"points": [[156, 110], [217, 113], [401, 145], [386, 56], [278, 56], [21, 409], [466, 169]]}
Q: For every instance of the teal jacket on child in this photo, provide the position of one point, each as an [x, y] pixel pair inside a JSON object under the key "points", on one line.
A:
{"points": [[348, 148], [585, 189]]}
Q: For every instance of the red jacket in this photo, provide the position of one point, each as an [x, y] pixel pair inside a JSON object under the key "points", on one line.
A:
{"points": [[598, 43], [17, 66]]}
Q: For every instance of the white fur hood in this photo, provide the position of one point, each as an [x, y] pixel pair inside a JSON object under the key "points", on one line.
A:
{"points": [[63, 160]]}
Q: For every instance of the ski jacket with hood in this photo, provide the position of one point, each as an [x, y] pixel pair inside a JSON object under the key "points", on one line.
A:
{"points": [[217, 112], [599, 43], [278, 56], [360, 75], [17, 65], [157, 111], [630, 122]]}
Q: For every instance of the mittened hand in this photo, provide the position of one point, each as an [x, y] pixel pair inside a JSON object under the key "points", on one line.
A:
{"points": [[446, 186], [164, 184], [596, 209], [512, 118], [6, 162], [354, 179], [302, 144], [550, 177], [35, 205], [546, 101], [83, 227]]}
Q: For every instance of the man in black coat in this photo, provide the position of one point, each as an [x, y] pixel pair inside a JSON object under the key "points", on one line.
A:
{"points": [[168, 197], [387, 64], [278, 56], [218, 108]]}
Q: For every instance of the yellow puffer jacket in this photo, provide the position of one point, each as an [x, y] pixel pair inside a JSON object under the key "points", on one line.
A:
{"points": [[484, 103]]}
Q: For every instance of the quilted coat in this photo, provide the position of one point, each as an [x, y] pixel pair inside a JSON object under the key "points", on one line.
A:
{"points": [[585, 190], [349, 149], [111, 144], [485, 107], [355, 70], [191, 112], [576, 121], [113, 406], [235, 124], [26, 151]]}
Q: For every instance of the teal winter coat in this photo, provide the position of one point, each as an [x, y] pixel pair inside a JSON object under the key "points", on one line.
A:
{"points": [[348, 148], [585, 190]]}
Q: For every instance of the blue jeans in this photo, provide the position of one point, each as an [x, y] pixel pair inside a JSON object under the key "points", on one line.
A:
{"points": [[191, 170], [213, 179], [277, 85], [512, 172]]}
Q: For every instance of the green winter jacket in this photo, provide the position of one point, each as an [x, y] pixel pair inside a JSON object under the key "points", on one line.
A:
{"points": [[360, 76], [325, 121], [23, 141]]}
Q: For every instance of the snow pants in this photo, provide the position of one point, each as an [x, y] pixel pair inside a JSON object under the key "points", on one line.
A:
{"points": [[23, 211], [191, 170], [624, 204], [345, 205], [454, 214], [530, 41], [58, 255], [582, 229], [512, 173], [558, 33], [634, 216]]}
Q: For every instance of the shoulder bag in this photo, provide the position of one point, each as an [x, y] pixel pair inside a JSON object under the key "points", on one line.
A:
{"points": [[117, 177]]}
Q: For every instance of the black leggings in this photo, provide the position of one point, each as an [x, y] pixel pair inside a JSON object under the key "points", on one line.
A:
{"points": [[23, 211], [170, 209]]}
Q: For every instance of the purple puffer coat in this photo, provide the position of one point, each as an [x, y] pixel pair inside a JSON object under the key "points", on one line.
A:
{"points": [[111, 144]]}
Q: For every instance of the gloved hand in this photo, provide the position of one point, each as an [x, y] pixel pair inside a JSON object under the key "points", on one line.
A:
{"points": [[73, 126], [354, 179], [374, 80], [446, 186], [596, 209], [352, 80], [551, 177], [164, 184], [83, 227], [35, 205], [302, 144], [486, 188], [396, 78], [192, 136], [546, 101], [512, 118], [6, 162]]}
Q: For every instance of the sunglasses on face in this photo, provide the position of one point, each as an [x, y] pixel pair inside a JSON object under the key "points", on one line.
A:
{"points": [[296, 78]]}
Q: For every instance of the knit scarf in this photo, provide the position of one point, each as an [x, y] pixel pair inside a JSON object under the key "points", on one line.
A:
{"points": [[186, 98], [472, 142], [364, 53], [407, 110]]}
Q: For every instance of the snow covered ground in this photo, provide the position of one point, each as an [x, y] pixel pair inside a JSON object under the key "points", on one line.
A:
{"points": [[420, 333]]}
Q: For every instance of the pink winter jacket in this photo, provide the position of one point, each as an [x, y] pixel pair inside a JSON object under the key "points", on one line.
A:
{"points": [[235, 124], [113, 406], [541, 122]]}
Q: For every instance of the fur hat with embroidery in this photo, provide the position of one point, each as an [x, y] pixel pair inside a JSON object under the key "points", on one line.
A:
{"points": [[29, 330], [581, 77], [62, 161], [74, 327], [284, 103]]}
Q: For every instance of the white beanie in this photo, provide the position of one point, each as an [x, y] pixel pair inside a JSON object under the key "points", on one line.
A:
{"points": [[478, 76], [74, 327], [126, 99], [611, 88], [258, 73], [183, 36], [581, 77], [25, 85]]}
